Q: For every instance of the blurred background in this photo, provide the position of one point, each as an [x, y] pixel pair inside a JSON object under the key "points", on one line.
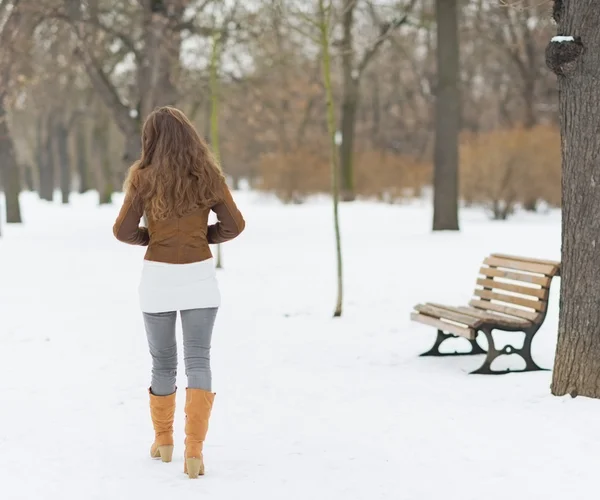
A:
{"points": [[78, 77]]}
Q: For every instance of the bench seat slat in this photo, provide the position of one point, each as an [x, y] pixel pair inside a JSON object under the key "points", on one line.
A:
{"points": [[520, 265], [492, 318], [489, 318], [468, 333], [537, 305], [540, 293], [510, 311], [490, 272], [448, 314]]}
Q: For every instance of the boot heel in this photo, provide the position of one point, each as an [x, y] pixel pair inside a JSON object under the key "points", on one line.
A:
{"points": [[194, 467], [166, 453]]}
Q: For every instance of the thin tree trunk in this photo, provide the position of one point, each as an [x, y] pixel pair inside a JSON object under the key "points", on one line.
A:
{"points": [[214, 114], [349, 112], [447, 119], [28, 177], [46, 160], [82, 159], [376, 105], [9, 169], [101, 157], [62, 138], [577, 64], [325, 15], [349, 103], [529, 101]]}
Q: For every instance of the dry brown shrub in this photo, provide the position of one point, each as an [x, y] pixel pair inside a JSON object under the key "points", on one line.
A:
{"points": [[503, 168], [294, 175], [390, 177]]}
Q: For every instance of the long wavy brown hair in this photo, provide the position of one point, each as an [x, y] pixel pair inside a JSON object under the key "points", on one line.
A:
{"points": [[176, 173]]}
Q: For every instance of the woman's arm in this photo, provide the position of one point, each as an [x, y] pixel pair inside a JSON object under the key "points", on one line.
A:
{"points": [[127, 226], [230, 220]]}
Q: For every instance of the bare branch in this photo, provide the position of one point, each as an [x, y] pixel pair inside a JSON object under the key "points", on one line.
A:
{"points": [[387, 29]]}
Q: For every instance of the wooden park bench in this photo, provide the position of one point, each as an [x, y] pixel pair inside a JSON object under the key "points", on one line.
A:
{"points": [[511, 295]]}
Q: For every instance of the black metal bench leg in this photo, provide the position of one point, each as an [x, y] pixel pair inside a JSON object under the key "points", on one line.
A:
{"points": [[441, 337], [493, 353], [530, 364]]}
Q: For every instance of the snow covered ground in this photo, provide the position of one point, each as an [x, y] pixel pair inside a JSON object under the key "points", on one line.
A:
{"points": [[307, 407]]}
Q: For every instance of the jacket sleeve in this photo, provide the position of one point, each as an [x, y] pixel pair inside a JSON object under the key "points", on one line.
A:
{"points": [[230, 220], [127, 226]]}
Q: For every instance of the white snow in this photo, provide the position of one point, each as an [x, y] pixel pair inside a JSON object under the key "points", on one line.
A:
{"points": [[307, 407], [561, 39]]}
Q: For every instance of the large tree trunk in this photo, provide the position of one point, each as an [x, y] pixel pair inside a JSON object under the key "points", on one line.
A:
{"points": [[62, 138], [447, 120], [9, 169], [577, 362]]}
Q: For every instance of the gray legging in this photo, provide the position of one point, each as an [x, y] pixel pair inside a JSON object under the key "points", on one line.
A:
{"points": [[197, 333]]}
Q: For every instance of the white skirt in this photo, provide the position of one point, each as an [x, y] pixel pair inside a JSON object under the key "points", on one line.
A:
{"points": [[178, 287]]}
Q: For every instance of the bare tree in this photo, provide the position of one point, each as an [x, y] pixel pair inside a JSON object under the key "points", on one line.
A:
{"points": [[155, 47], [215, 63], [353, 69], [325, 10], [12, 25]]}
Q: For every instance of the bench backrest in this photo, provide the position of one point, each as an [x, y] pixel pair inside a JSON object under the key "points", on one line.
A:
{"points": [[515, 286]]}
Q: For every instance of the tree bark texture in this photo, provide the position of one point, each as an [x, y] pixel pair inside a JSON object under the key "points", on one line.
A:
{"points": [[447, 119], [577, 64]]}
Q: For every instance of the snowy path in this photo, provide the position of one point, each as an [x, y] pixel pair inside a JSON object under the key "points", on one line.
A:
{"points": [[307, 407]]}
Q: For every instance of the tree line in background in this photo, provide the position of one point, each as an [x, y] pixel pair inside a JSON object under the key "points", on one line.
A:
{"points": [[79, 76]]}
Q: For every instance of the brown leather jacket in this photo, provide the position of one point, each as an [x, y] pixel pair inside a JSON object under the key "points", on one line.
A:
{"points": [[181, 240]]}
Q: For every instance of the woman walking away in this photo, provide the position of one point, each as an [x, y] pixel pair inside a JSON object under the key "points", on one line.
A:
{"points": [[177, 183]]}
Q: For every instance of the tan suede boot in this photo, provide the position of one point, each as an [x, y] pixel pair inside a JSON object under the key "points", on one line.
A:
{"points": [[162, 410], [198, 406]]}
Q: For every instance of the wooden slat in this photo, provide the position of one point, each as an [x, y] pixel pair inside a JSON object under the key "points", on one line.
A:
{"points": [[510, 311], [520, 265], [444, 326], [448, 314], [515, 276], [540, 293], [492, 318], [537, 305], [489, 318], [526, 259]]}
